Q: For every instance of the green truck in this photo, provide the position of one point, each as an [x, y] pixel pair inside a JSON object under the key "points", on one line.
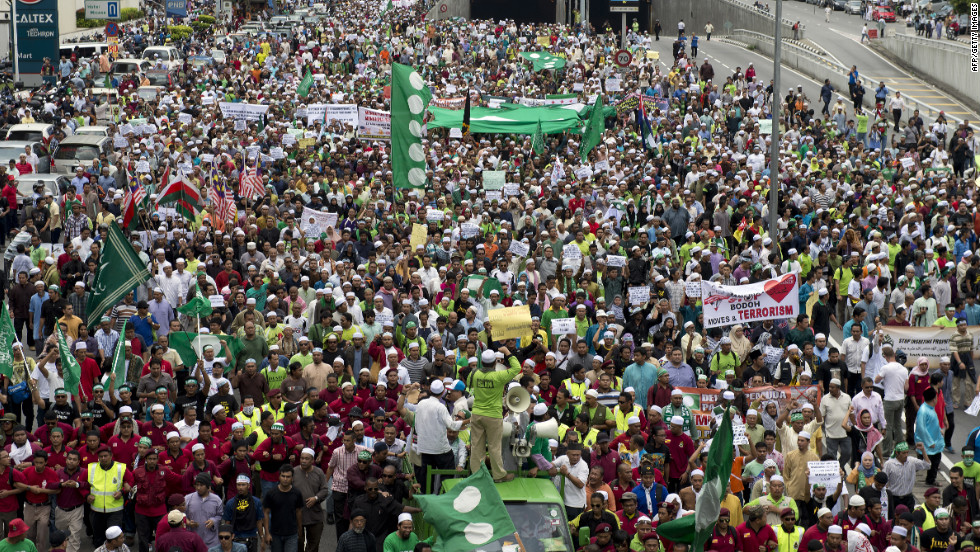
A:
{"points": [[538, 513]]}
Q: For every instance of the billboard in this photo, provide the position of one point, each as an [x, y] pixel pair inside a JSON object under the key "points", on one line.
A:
{"points": [[37, 37], [177, 8]]}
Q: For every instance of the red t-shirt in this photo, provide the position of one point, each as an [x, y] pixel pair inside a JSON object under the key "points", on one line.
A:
{"points": [[46, 479], [90, 374], [123, 451], [752, 540], [343, 408], [9, 504]]}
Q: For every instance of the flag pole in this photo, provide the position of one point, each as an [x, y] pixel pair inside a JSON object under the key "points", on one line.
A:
{"points": [[520, 543]]}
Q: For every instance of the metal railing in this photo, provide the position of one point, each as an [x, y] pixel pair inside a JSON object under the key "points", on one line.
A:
{"points": [[949, 45], [767, 15]]}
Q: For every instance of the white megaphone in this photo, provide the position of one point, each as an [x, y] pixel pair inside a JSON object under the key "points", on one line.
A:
{"points": [[517, 399], [546, 430]]}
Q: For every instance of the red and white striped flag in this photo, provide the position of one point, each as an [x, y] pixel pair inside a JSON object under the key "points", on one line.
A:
{"points": [[135, 194], [250, 183]]}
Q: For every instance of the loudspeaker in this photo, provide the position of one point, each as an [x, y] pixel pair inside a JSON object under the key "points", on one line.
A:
{"points": [[546, 430], [517, 399]]}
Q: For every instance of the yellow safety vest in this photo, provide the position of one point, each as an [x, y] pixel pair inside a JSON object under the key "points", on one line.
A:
{"points": [[250, 422], [577, 390], [788, 542], [277, 413], [104, 484], [621, 418], [930, 521]]}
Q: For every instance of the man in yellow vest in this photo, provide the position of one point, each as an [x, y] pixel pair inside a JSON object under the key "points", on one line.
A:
{"points": [[108, 480], [788, 535]]}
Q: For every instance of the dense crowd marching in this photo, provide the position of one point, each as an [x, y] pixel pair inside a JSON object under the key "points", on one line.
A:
{"points": [[347, 364]]}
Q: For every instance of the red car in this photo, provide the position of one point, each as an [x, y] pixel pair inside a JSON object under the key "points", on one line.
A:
{"points": [[883, 12]]}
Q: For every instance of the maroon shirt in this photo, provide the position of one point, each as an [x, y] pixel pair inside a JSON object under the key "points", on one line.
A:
{"points": [[70, 497], [752, 540], [681, 448]]}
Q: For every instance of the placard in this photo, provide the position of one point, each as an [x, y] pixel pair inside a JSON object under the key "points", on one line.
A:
{"points": [[434, 215], [765, 126], [328, 113], [495, 195], [511, 190], [639, 295], [583, 173], [614, 84], [384, 319], [314, 223], [931, 342], [242, 111], [613, 261], [493, 180], [826, 472], [143, 166], [773, 354], [907, 163], [520, 249], [185, 118], [373, 124], [420, 235], [304, 143], [217, 301], [571, 252], [277, 153], [510, 322], [738, 435], [468, 230], [693, 289], [562, 326]]}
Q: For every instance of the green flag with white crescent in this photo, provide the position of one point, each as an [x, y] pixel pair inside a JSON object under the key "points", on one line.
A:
{"points": [[696, 530], [190, 346], [69, 365], [409, 98], [469, 516], [7, 337], [197, 307]]}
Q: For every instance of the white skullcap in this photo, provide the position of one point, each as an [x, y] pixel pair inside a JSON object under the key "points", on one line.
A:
{"points": [[676, 393], [437, 387], [404, 516], [804, 434], [113, 532], [633, 420], [863, 527], [217, 408], [752, 412], [777, 478], [308, 450], [697, 472], [173, 434], [197, 447], [836, 530], [552, 443], [488, 357], [677, 420], [540, 409]]}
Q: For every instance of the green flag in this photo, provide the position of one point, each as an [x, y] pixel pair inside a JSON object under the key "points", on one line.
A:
{"points": [[304, 86], [197, 307], [120, 270], [119, 357], [592, 135], [388, 7], [697, 529], [469, 516], [69, 366], [189, 345], [7, 337], [409, 98], [537, 141], [544, 60], [108, 81]]}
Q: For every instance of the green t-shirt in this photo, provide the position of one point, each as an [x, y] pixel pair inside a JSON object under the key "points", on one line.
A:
{"points": [[394, 543], [488, 389], [971, 474], [23, 546]]}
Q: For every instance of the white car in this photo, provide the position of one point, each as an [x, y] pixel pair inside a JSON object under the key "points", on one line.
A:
{"points": [[171, 56], [92, 130]]}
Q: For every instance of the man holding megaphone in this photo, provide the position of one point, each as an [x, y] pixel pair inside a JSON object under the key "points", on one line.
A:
{"points": [[486, 426]]}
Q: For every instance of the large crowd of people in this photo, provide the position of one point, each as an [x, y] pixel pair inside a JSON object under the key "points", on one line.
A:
{"points": [[341, 366]]}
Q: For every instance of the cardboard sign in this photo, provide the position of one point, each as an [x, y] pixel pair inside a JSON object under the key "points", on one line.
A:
{"points": [[510, 322], [615, 261], [217, 301], [639, 295], [571, 252], [827, 472], [520, 249], [435, 215], [385, 319], [693, 289], [907, 163], [468, 230], [562, 326], [771, 299], [511, 190], [420, 234], [493, 180]]}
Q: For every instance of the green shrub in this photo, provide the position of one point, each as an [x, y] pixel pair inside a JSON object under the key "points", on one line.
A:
{"points": [[179, 32], [127, 14]]}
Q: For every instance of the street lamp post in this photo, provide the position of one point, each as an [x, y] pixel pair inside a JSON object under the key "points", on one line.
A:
{"points": [[774, 137]]}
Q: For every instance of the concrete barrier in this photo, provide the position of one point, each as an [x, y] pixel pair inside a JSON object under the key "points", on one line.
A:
{"points": [[944, 62], [446, 9], [819, 68], [725, 15]]}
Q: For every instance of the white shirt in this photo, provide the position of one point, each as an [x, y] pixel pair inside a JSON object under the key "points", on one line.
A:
{"points": [[432, 419], [855, 352], [188, 431], [574, 497], [894, 376]]}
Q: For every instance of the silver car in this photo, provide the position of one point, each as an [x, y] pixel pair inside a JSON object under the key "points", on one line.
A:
{"points": [[11, 150]]}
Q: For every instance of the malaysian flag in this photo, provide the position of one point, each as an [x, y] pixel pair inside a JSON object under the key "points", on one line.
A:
{"points": [[135, 194], [222, 199], [250, 183]]}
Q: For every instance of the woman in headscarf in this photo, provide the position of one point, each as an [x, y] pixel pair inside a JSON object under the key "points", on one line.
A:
{"points": [[869, 438], [740, 344], [864, 473], [769, 414]]}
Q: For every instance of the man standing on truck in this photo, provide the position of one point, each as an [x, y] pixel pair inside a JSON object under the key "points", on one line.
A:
{"points": [[486, 425]]}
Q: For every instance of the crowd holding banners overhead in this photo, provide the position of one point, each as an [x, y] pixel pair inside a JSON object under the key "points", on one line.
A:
{"points": [[303, 322]]}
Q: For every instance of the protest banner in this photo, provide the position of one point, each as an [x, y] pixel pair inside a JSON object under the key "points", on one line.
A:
{"points": [[242, 111], [315, 223], [510, 322], [638, 295], [328, 113], [931, 342], [494, 180], [373, 124], [826, 472], [705, 399], [702, 424], [767, 300], [561, 326], [449, 103]]}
